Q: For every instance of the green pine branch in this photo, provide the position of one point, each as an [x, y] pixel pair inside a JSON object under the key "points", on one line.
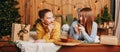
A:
{"points": [[8, 15], [105, 17]]}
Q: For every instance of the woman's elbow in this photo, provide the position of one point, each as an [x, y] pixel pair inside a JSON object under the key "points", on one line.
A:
{"points": [[91, 41]]}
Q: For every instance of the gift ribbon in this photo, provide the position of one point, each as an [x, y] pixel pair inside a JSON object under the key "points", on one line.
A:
{"points": [[22, 31]]}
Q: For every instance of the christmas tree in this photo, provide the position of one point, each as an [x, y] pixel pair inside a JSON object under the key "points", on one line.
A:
{"points": [[104, 17], [8, 15]]}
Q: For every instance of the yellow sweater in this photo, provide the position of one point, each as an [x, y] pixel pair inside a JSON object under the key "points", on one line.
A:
{"points": [[55, 35]]}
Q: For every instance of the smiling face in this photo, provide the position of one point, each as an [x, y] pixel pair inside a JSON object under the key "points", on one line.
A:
{"points": [[48, 18]]}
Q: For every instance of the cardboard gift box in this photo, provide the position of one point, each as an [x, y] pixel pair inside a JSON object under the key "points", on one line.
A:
{"points": [[108, 40], [20, 32]]}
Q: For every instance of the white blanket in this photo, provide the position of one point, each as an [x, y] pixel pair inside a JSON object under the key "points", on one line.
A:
{"points": [[37, 47]]}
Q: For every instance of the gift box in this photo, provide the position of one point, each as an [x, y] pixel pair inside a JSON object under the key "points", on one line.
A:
{"points": [[108, 40], [20, 32]]}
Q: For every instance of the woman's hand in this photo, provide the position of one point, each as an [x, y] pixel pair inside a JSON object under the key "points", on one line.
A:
{"points": [[50, 27], [77, 30], [40, 41], [81, 28]]}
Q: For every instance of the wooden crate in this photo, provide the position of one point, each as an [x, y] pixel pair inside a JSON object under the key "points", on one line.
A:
{"points": [[108, 40]]}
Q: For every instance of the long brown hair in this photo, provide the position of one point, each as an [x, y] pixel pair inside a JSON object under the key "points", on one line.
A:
{"points": [[87, 14]]}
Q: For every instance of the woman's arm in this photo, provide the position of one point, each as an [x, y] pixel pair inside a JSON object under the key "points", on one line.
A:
{"points": [[42, 36], [39, 31], [72, 32], [91, 38], [55, 33]]}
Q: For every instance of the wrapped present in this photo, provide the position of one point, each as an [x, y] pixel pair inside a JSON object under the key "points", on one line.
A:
{"points": [[108, 40], [20, 32]]}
